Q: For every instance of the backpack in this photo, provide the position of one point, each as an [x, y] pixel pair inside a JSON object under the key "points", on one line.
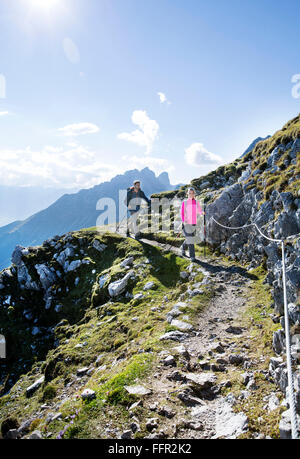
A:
{"points": [[126, 201]]}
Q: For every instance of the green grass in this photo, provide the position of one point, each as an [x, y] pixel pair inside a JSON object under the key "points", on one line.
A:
{"points": [[120, 340]]}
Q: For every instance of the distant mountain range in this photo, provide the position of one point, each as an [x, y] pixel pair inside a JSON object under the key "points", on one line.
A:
{"points": [[73, 212], [18, 203]]}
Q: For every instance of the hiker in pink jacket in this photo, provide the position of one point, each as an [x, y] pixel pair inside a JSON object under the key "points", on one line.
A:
{"points": [[190, 209]]}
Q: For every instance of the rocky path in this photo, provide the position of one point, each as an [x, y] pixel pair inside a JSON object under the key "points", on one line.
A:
{"points": [[207, 414], [184, 396]]}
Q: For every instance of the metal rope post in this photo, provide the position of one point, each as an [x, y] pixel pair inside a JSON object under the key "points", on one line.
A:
{"points": [[204, 230], [294, 423]]}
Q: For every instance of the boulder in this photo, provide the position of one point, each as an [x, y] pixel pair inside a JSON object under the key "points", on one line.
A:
{"points": [[98, 246], [174, 335], [149, 286], [229, 424], [82, 371], [25, 279], [236, 359], [294, 312], [36, 435], [279, 341], [286, 225], [35, 386], [46, 275], [126, 435], [221, 209], [64, 256], [116, 288], [183, 326], [201, 381], [169, 361], [137, 390], [187, 397], [285, 428], [88, 394], [17, 255], [73, 265], [102, 280], [127, 262]]}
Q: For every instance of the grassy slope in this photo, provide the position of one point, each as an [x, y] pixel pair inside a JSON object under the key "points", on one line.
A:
{"points": [[128, 348], [280, 181], [129, 352]]}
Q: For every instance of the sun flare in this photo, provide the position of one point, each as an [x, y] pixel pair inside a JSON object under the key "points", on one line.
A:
{"points": [[44, 4]]}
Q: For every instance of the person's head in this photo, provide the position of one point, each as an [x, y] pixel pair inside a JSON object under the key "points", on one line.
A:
{"points": [[191, 193], [137, 184]]}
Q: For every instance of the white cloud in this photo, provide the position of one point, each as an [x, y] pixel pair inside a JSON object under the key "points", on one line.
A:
{"points": [[197, 155], [73, 130], [4, 113], [76, 167], [147, 133], [163, 98]]}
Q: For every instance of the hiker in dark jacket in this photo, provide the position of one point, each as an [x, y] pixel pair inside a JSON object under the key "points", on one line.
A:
{"points": [[134, 198]]}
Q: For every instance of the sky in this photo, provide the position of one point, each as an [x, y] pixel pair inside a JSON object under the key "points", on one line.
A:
{"points": [[92, 88]]}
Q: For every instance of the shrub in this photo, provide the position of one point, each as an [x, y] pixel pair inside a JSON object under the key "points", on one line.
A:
{"points": [[49, 392], [35, 424]]}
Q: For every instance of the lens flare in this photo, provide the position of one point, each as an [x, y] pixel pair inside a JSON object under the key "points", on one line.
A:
{"points": [[44, 4]]}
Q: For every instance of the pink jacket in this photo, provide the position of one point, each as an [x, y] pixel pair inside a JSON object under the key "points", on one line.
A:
{"points": [[189, 211]]}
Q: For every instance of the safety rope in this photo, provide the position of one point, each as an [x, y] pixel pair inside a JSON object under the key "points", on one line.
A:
{"points": [[294, 423]]}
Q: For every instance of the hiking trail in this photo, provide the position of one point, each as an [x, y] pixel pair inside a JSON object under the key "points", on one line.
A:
{"points": [[207, 414]]}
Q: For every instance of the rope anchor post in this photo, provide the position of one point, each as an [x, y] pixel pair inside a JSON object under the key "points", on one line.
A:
{"points": [[294, 423]]}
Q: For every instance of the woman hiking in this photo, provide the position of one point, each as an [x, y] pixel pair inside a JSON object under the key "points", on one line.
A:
{"points": [[190, 209]]}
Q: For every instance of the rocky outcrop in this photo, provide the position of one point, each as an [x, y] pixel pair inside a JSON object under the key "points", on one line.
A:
{"points": [[73, 283], [34, 293], [263, 188], [116, 288]]}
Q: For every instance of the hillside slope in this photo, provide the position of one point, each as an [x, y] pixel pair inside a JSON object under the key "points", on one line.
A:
{"points": [[116, 338], [73, 211], [262, 187], [108, 337]]}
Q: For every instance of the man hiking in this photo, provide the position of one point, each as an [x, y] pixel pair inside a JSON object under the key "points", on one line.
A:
{"points": [[190, 209], [135, 195]]}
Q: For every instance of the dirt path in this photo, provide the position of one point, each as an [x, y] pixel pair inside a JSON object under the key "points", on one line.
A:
{"points": [[213, 336]]}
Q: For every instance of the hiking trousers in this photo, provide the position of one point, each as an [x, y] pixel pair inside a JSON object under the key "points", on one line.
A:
{"points": [[132, 220], [189, 232]]}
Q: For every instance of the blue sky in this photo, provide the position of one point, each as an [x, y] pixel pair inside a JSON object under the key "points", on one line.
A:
{"points": [[97, 87]]}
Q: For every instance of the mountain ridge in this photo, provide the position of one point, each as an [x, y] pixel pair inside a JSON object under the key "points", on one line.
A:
{"points": [[73, 211], [130, 340]]}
